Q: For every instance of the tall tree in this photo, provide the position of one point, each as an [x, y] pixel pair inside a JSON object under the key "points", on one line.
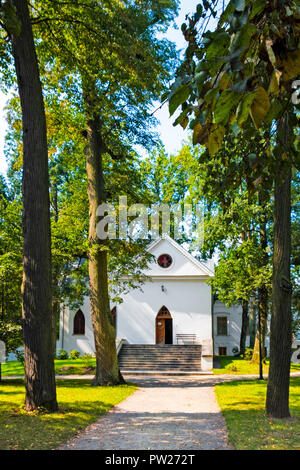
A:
{"points": [[277, 403], [107, 370], [245, 69], [36, 286], [122, 67]]}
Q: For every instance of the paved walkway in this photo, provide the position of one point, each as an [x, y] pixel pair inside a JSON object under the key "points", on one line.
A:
{"points": [[165, 413], [178, 413]]}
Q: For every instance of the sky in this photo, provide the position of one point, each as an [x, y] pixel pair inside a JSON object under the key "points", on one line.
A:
{"points": [[172, 137]]}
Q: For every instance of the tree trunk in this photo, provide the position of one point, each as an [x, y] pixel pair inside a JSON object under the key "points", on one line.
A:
{"points": [[245, 322], [277, 404], [36, 287], [107, 370], [55, 317], [252, 321], [55, 279], [263, 296], [259, 344]]}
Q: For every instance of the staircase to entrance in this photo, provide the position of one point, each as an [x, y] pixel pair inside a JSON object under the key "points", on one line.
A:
{"points": [[157, 359]]}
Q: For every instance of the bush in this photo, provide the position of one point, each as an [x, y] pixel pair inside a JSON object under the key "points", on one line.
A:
{"points": [[87, 360], [248, 354], [20, 356], [62, 354], [74, 354]]}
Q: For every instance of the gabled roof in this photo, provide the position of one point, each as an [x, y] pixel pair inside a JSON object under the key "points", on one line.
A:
{"points": [[198, 264]]}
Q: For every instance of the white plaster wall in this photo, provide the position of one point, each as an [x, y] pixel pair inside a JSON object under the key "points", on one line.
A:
{"points": [[189, 303], [68, 341], [181, 266]]}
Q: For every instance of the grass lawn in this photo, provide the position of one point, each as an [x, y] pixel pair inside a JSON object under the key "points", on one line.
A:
{"points": [[242, 404], [238, 366], [79, 403], [229, 365], [62, 367]]}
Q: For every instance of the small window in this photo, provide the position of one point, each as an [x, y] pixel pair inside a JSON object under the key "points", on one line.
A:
{"points": [[222, 326], [79, 323], [164, 261], [222, 351]]}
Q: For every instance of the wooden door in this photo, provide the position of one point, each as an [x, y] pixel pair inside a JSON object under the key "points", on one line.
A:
{"points": [[160, 326], [160, 330]]}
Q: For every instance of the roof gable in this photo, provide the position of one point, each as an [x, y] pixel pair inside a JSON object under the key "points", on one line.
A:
{"points": [[184, 264]]}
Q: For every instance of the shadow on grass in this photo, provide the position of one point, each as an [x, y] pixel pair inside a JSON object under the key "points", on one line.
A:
{"points": [[79, 405], [243, 406]]}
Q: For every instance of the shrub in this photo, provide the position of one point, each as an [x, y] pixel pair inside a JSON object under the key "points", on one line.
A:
{"points": [[74, 354], [248, 354], [20, 356], [87, 360], [62, 354]]}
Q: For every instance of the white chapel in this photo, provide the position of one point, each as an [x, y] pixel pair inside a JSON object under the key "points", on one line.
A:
{"points": [[174, 307]]}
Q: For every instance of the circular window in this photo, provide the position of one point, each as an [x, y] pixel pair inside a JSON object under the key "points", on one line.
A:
{"points": [[164, 261]]}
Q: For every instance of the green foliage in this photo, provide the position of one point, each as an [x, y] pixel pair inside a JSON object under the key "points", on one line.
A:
{"points": [[116, 46], [20, 356], [247, 66], [9, 18], [87, 360], [240, 272], [248, 354], [74, 354], [62, 354], [10, 268]]}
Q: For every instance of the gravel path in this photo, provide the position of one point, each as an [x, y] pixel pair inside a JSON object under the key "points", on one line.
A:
{"points": [[178, 413]]}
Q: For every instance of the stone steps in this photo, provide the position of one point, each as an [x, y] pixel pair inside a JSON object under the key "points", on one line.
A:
{"points": [[161, 358]]}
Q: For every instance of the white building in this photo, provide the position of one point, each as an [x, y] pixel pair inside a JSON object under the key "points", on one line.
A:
{"points": [[174, 307]]}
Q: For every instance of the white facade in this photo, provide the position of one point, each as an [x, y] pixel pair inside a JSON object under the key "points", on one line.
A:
{"points": [[182, 288], [70, 341]]}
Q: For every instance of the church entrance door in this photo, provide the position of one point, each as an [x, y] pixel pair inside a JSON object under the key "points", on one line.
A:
{"points": [[164, 327]]}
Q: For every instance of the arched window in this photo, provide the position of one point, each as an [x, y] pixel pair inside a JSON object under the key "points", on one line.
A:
{"points": [[164, 312], [79, 323]]}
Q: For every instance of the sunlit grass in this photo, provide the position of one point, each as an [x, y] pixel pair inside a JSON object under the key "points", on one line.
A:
{"points": [[79, 405], [229, 365], [238, 366], [62, 367], [243, 406]]}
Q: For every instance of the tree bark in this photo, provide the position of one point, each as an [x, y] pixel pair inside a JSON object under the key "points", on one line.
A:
{"points": [[263, 296], [107, 370], [245, 322], [260, 337], [277, 403], [252, 321], [55, 312], [36, 287], [55, 279]]}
